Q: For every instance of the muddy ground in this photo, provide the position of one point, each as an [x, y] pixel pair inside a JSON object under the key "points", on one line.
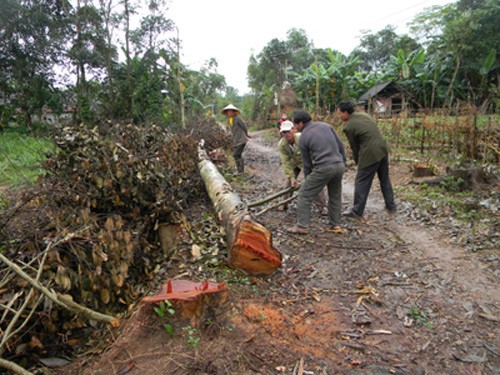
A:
{"points": [[392, 296]]}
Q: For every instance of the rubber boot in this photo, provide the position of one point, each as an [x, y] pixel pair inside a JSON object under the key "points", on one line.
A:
{"points": [[241, 166]]}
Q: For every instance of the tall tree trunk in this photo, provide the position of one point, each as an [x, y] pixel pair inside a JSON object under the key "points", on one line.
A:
{"points": [[317, 84], [433, 89], [179, 81], [106, 6], [452, 82], [129, 93]]}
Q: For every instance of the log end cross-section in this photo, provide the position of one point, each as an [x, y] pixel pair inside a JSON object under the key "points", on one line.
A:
{"points": [[252, 250]]}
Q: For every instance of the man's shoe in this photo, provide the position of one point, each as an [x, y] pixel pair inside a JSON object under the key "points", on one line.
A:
{"points": [[391, 213], [337, 229], [351, 214]]}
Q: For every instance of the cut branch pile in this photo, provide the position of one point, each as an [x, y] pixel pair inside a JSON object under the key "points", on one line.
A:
{"points": [[83, 246]]}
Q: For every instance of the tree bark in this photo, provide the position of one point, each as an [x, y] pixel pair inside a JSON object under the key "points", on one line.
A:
{"points": [[249, 242]]}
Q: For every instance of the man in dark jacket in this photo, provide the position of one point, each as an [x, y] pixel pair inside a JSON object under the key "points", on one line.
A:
{"points": [[371, 155], [323, 158], [239, 134]]}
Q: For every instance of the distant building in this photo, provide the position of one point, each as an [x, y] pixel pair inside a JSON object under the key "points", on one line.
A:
{"points": [[387, 99]]}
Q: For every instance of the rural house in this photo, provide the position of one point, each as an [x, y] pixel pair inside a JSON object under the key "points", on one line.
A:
{"points": [[386, 99]]}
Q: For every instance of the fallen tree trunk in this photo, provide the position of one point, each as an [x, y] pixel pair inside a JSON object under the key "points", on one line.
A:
{"points": [[249, 242]]}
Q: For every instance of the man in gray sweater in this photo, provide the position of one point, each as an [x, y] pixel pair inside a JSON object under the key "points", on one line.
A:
{"points": [[323, 159]]}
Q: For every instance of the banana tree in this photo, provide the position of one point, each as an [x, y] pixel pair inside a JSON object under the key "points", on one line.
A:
{"points": [[338, 81], [404, 64]]}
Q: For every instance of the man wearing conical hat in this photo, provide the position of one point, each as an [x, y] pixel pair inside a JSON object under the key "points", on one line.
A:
{"points": [[239, 134]]}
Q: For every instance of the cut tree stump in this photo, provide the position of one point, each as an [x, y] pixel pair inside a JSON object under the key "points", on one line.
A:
{"points": [[194, 301], [249, 242]]}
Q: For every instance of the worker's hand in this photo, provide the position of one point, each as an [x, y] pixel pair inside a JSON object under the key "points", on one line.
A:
{"points": [[249, 136], [294, 184]]}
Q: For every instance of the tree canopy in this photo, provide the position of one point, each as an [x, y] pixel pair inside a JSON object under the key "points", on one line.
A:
{"points": [[91, 57]]}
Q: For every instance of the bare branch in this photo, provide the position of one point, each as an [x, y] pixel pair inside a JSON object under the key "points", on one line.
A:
{"points": [[10, 331], [280, 203], [271, 197], [64, 301], [13, 367]]}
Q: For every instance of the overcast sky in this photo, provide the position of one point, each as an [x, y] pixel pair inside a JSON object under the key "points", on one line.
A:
{"points": [[230, 31]]}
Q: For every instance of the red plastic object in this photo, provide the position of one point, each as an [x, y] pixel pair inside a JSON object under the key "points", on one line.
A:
{"points": [[183, 290]]}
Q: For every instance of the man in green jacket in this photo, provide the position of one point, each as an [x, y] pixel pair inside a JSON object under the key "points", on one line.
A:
{"points": [[371, 155]]}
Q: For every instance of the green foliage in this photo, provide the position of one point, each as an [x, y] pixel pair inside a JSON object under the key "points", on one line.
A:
{"points": [[461, 37], [30, 50], [489, 62], [193, 336], [7, 115], [419, 317], [376, 49], [165, 311], [338, 79], [202, 90], [234, 277], [452, 183], [271, 68]]}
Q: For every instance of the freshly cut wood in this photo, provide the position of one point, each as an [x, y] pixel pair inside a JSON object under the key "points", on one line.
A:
{"points": [[184, 290], [249, 242], [194, 301]]}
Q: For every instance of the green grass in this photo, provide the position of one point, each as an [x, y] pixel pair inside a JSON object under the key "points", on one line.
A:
{"points": [[21, 157]]}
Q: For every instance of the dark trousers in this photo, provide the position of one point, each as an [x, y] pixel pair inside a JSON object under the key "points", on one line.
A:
{"points": [[321, 199], [238, 151], [363, 184], [238, 157], [326, 175]]}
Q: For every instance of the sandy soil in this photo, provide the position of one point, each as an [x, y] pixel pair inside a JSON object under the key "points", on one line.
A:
{"points": [[392, 296]]}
